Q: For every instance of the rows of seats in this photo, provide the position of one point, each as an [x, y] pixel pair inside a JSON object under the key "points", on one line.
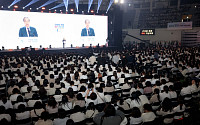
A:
{"points": [[122, 87]]}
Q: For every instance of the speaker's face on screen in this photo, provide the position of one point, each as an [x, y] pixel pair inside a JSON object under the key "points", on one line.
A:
{"points": [[87, 23], [26, 22]]}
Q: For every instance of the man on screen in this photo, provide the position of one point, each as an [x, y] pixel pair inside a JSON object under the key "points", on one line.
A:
{"points": [[87, 31], [27, 30]]}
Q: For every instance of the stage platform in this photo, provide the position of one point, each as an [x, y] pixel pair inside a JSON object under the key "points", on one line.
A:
{"points": [[77, 50]]}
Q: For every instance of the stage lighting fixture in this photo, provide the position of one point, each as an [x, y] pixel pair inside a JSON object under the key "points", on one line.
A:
{"points": [[8, 6], [55, 10], [30, 8], [15, 6], [92, 11], [121, 1], [116, 1], [71, 10], [23, 8], [43, 8], [129, 4], [1, 6], [82, 12]]}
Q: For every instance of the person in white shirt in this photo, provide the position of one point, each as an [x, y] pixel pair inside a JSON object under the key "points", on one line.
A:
{"points": [[172, 93], [179, 111], [52, 106], [37, 110], [77, 116], [20, 100], [34, 99], [44, 119], [13, 97], [186, 91], [166, 111], [93, 98], [62, 119], [65, 104], [91, 112], [100, 96], [51, 90], [135, 101], [6, 103], [135, 118], [4, 115], [22, 114], [148, 115], [164, 94]]}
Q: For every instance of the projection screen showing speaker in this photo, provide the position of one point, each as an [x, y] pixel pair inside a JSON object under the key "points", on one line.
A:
{"points": [[25, 29]]}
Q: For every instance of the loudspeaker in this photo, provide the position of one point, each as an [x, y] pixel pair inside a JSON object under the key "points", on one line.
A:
{"points": [[115, 26]]}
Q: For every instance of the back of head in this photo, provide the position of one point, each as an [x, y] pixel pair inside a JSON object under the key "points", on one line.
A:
{"points": [[167, 105], [52, 102], [45, 115], [166, 89], [61, 113], [21, 108], [2, 109], [147, 107], [77, 108], [79, 96], [70, 122], [64, 99], [109, 110], [20, 99], [15, 91], [38, 105], [93, 96], [91, 106], [136, 112], [58, 92], [51, 85]]}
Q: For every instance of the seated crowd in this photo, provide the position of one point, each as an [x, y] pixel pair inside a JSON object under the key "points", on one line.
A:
{"points": [[125, 87]]}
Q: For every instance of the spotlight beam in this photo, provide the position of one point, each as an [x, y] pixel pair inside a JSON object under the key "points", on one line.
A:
{"points": [[59, 5], [77, 2], [111, 2], [66, 2], [14, 2], [89, 4], [32, 2], [47, 3], [99, 4]]}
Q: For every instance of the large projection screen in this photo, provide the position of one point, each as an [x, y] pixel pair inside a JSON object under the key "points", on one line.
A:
{"points": [[51, 29]]}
